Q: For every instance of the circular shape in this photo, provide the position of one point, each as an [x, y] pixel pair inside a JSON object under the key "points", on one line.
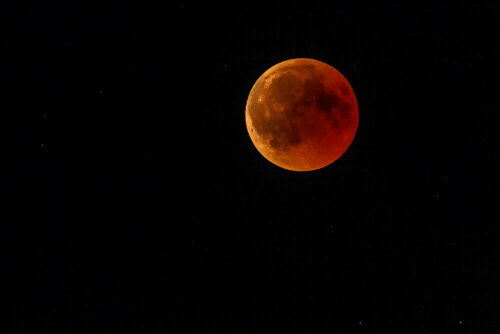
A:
{"points": [[302, 114]]}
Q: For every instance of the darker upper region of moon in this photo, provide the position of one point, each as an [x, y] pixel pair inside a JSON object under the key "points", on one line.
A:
{"points": [[289, 100]]}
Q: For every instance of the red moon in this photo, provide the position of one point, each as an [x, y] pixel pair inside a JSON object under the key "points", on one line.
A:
{"points": [[302, 114]]}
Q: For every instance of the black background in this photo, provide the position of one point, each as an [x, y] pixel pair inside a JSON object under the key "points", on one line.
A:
{"points": [[132, 198]]}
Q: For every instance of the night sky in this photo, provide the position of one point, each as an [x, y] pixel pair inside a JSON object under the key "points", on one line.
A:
{"points": [[132, 198]]}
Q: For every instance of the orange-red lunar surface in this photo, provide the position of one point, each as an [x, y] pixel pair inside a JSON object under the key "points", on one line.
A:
{"points": [[302, 114]]}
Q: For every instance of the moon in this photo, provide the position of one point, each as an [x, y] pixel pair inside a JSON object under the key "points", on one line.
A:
{"points": [[302, 114]]}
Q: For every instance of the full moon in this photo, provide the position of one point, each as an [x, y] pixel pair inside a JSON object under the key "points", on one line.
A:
{"points": [[302, 114]]}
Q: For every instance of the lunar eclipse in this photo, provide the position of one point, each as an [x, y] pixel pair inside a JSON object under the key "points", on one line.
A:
{"points": [[302, 114]]}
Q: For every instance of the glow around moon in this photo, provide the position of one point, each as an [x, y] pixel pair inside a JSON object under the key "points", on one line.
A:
{"points": [[302, 114]]}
